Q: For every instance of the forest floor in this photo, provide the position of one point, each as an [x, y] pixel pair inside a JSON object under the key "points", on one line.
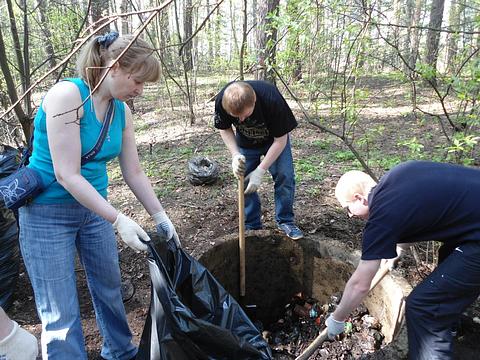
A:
{"points": [[201, 214]]}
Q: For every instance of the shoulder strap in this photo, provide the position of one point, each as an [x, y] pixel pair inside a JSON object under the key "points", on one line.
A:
{"points": [[103, 134]]}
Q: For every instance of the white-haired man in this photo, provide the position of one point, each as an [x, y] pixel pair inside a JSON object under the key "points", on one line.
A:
{"points": [[417, 201]]}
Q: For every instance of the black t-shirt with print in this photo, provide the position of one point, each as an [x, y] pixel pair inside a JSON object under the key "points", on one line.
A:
{"points": [[271, 117], [422, 201]]}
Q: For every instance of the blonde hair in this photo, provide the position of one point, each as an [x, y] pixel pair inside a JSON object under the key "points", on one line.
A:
{"points": [[137, 59], [353, 182], [237, 97]]}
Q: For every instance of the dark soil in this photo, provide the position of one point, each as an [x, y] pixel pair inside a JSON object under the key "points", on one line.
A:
{"points": [[202, 214]]}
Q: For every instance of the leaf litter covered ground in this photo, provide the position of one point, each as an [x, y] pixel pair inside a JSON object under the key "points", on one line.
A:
{"points": [[202, 214]]}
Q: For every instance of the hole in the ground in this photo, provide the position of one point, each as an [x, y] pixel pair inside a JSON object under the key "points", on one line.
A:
{"points": [[277, 268]]}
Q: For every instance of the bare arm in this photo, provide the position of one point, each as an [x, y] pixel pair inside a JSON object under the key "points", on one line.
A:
{"points": [[228, 138], [274, 151], [357, 288], [65, 147], [132, 172]]}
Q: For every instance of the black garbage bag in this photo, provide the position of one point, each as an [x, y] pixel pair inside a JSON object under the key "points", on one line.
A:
{"points": [[191, 316], [9, 160], [9, 252], [202, 171]]}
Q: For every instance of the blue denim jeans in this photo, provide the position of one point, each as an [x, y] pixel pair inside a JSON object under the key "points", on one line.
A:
{"points": [[435, 305], [284, 179], [50, 237]]}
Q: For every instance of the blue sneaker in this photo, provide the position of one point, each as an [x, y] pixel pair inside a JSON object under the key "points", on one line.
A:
{"points": [[291, 230]]}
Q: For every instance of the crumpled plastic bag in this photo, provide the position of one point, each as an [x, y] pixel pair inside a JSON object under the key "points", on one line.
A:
{"points": [[9, 251], [191, 316], [202, 171]]}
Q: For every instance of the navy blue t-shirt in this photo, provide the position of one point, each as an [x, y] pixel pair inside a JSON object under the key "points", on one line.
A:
{"points": [[271, 117], [422, 201]]}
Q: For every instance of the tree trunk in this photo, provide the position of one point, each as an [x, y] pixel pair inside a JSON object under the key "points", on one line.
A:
{"points": [[412, 59], [397, 20], [244, 39], [293, 42], [188, 93], [217, 34], [47, 35], [99, 10], [187, 29], [124, 7], [233, 25], [16, 43], [409, 14], [26, 56], [210, 36], [433, 35], [12, 91], [266, 37], [452, 39], [165, 38]]}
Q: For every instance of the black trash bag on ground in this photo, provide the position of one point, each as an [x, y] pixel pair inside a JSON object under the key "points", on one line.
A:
{"points": [[9, 252], [202, 171], [191, 316]]}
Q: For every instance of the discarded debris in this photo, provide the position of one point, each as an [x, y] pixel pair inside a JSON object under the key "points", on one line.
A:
{"points": [[302, 321]]}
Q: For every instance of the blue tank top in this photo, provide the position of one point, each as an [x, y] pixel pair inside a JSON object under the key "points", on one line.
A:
{"points": [[95, 171]]}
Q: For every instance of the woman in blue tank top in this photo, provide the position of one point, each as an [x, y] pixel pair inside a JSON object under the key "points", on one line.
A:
{"points": [[73, 215]]}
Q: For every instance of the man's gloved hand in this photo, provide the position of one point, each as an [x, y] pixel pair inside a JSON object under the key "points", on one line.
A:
{"points": [[131, 232], [254, 180], [238, 165], [334, 327], [165, 228]]}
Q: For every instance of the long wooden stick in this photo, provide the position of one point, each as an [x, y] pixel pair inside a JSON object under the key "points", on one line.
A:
{"points": [[241, 233], [324, 334]]}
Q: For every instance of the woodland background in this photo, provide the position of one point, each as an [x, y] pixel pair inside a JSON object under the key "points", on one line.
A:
{"points": [[325, 55], [371, 83]]}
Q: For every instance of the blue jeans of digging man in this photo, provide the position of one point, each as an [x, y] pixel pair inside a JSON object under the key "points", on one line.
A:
{"points": [[50, 237], [284, 179], [435, 305]]}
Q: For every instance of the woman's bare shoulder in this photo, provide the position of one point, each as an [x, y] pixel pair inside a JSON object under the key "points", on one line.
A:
{"points": [[63, 94]]}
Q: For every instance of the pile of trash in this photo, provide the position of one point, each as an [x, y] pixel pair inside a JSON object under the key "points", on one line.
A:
{"points": [[304, 319]]}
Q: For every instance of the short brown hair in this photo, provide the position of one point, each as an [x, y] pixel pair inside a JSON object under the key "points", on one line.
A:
{"points": [[138, 59], [238, 96]]}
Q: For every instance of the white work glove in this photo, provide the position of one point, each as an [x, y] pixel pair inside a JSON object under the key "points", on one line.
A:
{"points": [[165, 228], [131, 232], [19, 345], [334, 327], [238, 165], [254, 180]]}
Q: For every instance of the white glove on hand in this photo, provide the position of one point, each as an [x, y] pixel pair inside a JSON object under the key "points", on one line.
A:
{"points": [[254, 180], [131, 232], [238, 165], [165, 227], [334, 327], [19, 345]]}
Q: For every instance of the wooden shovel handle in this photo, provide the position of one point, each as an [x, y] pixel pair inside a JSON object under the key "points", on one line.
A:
{"points": [[314, 345], [241, 233], [324, 334]]}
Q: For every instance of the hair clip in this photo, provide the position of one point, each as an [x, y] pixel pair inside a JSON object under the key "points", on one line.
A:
{"points": [[106, 40]]}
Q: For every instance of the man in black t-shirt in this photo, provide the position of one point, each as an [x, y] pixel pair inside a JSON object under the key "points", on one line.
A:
{"points": [[417, 201], [263, 121]]}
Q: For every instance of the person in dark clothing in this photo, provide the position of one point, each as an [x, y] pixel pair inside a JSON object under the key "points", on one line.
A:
{"points": [[263, 121], [417, 201]]}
